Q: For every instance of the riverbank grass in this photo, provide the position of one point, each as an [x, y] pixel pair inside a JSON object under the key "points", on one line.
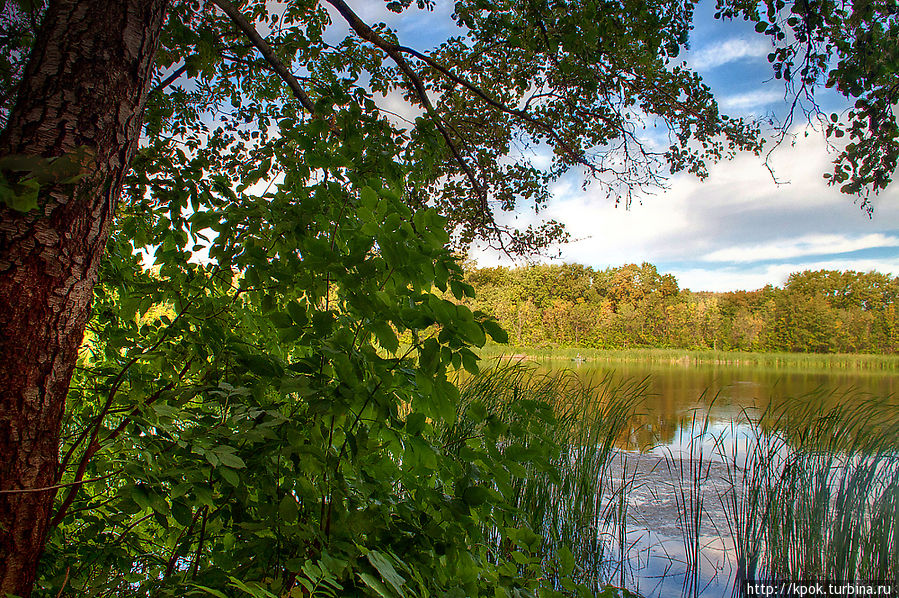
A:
{"points": [[804, 361]]}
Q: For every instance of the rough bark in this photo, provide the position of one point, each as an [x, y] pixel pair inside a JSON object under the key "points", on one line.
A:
{"points": [[84, 87]]}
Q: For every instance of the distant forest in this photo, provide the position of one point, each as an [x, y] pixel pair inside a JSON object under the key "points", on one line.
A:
{"points": [[822, 311]]}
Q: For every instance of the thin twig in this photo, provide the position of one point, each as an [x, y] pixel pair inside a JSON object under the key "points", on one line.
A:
{"points": [[169, 80], [65, 580], [185, 532], [364, 31], [58, 486], [196, 564], [132, 526]]}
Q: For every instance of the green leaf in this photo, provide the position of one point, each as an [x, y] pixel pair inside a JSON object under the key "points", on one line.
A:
{"points": [[415, 423], [475, 495], [158, 503], [281, 320], [296, 384], [140, 495], [385, 335], [376, 585], [496, 332], [388, 573], [230, 476], [23, 200], [566, 561], [297, 313], [209, 591], [289, 335], [369, 197], [262, 365], [231, 460], [252, 588], [429, 355], [445, 397], [287, 509], [469, 361], [181, 513]]}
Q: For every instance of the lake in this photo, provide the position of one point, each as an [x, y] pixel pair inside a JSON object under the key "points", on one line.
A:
{"points": [[677, 390], [689, 448]]}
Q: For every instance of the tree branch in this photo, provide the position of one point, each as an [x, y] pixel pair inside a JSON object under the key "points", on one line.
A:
{"points": [[58, 486], [93, 443], [169, 80], [395, 51], [370, 35], [266, 50]]}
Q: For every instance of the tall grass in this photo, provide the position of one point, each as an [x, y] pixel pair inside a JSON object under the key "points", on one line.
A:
{"points": [[815, 491], [689, 473], [580, 503], [805, 361], [811, 488]]}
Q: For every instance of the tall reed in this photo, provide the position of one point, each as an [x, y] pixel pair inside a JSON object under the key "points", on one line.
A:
{"points": [[811, 484], [785, 361], [581, 502], [689, 472], [815, 490]]}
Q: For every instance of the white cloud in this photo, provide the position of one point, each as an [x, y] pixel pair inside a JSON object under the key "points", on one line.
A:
{"points": [[740, 215], [730, 50], [752, 99], [819, 244], [400, 112]]}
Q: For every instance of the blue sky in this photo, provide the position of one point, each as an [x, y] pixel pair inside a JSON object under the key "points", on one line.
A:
{"points": [[737, 230]]}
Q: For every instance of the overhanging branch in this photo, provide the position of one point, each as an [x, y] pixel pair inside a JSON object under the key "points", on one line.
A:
{"points": [[396, 51], [266, 50], [370, 35]]}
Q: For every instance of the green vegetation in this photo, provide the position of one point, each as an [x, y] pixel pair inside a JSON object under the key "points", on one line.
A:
{"points": [[266, 437], [815, 490], [575, 503], [634, 307], [800, 361], [252, 425]]}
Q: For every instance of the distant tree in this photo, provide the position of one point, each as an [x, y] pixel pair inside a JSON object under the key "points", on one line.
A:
{"points": [[803, 324], [816, 311], [633, 284]]}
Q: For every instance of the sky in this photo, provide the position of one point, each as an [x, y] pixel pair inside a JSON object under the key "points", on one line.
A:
{"points": [[738, 229]]}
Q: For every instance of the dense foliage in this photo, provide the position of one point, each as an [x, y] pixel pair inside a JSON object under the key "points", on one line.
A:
{"points": [[242, 418], [253, 427], [581, 95], [634, 306]]}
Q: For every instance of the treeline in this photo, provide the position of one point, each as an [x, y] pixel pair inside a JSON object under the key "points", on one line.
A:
{"points": [[823, 311]]}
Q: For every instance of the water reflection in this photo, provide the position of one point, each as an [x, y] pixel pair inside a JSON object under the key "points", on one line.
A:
{"points": [[657, 544], [725, 393]]}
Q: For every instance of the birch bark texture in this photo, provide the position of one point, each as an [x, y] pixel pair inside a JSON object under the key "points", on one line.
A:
{"points": [[82, 92]]}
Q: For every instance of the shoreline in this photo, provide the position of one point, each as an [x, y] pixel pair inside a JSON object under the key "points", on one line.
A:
{"points": [[688, 357]]}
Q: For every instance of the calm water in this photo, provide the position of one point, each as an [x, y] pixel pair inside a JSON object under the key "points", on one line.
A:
{"points": [[655, 563], [725, 393]]}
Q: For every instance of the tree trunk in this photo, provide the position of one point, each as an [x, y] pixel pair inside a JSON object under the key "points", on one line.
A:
{"points": [[84, 88]]}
